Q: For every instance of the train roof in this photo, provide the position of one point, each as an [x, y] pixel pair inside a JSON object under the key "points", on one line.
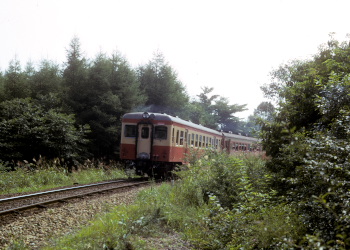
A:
{"points": [[240, 137], [166, 117]]}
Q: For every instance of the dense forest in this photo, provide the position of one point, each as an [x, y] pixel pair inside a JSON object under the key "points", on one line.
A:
{"points": [[73, 111]]}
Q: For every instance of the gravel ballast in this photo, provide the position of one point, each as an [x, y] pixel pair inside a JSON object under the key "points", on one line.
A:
{"points": [[37, 229]]}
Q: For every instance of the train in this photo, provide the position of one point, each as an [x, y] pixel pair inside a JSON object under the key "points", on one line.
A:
{"points": [[154, 144]]}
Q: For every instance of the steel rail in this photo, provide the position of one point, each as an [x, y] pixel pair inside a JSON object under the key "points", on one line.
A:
{"points": [[55, 191], [62, 199]]}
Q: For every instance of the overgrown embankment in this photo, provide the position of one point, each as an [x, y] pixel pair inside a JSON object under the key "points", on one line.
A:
{"points": [[218, 203]]}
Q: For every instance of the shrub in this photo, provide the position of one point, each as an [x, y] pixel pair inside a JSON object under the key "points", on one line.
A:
{"points": [[27, 130], [241, 212]]}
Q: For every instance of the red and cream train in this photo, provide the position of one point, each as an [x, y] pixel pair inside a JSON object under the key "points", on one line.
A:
{"points": [[156, 143]]}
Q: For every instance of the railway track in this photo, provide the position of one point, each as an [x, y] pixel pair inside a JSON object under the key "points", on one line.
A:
{"points": [[42, 199]]}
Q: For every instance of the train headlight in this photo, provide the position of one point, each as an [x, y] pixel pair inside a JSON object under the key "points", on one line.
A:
{"points": [[145, 115]]}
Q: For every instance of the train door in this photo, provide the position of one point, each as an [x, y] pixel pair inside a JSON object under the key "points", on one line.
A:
{"points": [[144, 141], [186, 144]]}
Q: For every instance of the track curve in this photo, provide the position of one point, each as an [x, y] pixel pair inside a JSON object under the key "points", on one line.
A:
{"points": [[42, 199]]}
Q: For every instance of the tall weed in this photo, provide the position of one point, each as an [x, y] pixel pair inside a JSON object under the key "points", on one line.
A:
{"points": [[241, 211], [24, 180]]}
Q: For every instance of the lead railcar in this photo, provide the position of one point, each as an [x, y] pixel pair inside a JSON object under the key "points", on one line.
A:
{"points": [[156, 143]]}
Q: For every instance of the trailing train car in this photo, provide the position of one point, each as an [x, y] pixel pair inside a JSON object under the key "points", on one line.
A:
{"points": [[238, 143], [156, 143]]}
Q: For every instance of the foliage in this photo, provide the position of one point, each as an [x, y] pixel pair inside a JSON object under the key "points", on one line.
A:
{"points": [[164, 91], [27, 130], [112, 90], [215, 112], [2, 88], [46, 80], [307, 139], [241, 208], [15, 82], [99, 94], [265, 111], [202, 110], [224, 112]]}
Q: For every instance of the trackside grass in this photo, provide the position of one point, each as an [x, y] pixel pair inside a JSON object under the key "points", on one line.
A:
{"points": [[23, 180], [220, 202]]}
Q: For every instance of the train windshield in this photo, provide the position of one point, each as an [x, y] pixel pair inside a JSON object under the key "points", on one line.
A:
{"points": [[160, 132], [130, 130]]}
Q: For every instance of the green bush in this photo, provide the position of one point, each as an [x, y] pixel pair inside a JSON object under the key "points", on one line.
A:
{"points": [[28, 129], [240, 211], [307, 141]]}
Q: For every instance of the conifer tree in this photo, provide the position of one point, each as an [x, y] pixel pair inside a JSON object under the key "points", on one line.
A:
{"points": [[46, 80], [164, 91], [15, 82], [75, 77]]}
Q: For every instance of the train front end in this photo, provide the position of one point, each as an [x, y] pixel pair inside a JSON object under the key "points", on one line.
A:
{"points": [[145, 143]]}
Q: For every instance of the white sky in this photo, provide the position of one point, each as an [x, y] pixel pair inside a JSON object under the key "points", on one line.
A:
{"points": [[230, 45]]}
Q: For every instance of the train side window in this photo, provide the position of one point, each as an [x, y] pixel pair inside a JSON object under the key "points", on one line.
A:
{"points": [[189, 139], [160, 132], [145, 132], [200, 141], [130, 131], [177, 137], [196, 143], [173, 135], [192, 140], [181, 137], [204, 138]]}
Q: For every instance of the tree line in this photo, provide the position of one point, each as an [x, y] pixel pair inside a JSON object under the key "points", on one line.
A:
{"points": [[73, 111]]}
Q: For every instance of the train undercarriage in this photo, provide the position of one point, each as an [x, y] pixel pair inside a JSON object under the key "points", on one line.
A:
{"points": [[153, 169]]}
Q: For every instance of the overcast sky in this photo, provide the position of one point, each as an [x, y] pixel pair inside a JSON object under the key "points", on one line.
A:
{"points": [[226, 44]]}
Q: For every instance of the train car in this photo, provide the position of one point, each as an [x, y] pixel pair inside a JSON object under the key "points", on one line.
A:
{"points": [[239, 143], [154, 144]]}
